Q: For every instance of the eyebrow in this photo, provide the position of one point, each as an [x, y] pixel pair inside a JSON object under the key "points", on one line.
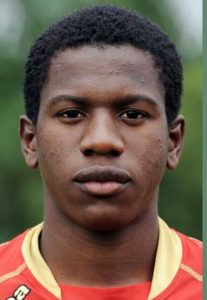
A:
{"points": [[117, 101]]}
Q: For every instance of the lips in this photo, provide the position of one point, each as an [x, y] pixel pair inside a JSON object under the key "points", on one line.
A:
{"points": [[102, 180]]}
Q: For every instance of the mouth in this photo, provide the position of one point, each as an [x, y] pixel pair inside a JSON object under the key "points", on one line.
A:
{"points": [[102, 180]]}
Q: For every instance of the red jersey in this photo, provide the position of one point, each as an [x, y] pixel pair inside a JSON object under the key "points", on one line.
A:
{"points": [[177, 272]]}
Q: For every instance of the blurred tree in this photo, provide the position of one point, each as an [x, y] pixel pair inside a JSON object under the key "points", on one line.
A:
{"points": [[20, 188]]}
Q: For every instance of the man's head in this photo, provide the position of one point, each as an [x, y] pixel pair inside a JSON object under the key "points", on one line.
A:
{"points": [[98, 86], [104, 25]]}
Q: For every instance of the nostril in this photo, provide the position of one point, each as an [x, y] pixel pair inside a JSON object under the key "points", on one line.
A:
{"points": [[88, 152], [114, 153]]}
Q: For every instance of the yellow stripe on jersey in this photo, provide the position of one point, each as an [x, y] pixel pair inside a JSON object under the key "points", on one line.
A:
{"points": [[13, 273], [193, 273]]}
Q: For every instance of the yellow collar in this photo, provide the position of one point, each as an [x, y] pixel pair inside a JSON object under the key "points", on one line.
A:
{"points": [[168, 259]]}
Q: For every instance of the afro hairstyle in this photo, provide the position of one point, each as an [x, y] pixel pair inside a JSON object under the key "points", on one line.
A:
{"points": [[103, 25]]}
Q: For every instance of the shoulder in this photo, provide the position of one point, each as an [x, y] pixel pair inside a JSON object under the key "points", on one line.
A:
{"points": [[11, 259], [180, 265], [12, 267], [192, 256]]}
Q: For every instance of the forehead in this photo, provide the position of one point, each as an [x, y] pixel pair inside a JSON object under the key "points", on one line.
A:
{"points": [[103, 69]]}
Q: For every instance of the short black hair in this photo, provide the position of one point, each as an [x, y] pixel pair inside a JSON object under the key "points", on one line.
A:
{"points": [[106, 25]]}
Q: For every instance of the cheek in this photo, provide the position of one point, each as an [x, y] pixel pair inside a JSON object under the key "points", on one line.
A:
{"points": [[56, 153], [150, 155], [155, 152]]}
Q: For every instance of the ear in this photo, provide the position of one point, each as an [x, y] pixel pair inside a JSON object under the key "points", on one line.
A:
{"points": [[28, 141], [176, 134]]}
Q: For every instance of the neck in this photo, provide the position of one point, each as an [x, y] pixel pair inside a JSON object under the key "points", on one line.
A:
{"points": [[89, 258]]}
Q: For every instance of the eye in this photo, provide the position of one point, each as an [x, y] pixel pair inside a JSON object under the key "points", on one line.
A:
{"points": [[132, 114], [71, 114]]}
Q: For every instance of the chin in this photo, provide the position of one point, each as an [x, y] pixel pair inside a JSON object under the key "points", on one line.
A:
{"points": [[106, 226], [104, 221]]}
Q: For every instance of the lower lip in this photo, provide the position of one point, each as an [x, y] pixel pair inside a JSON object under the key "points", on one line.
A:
{"points": [[109, 188]]}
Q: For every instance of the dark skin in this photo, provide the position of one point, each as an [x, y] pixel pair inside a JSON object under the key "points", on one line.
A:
{"points": [[101, 107]]}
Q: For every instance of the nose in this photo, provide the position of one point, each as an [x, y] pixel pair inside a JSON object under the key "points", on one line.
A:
{"points": [[101, 137]]}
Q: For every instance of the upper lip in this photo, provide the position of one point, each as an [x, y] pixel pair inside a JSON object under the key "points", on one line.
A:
{"points": [[102, 174]]}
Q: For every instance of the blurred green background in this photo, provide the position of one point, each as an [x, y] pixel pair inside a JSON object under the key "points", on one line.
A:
{"points": [[20, 188]]}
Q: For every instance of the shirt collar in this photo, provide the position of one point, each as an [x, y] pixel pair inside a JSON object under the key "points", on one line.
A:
{"points": [[167, 261]]}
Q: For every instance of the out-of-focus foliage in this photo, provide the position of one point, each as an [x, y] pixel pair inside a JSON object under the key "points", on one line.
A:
{"points": [[20, 188]]}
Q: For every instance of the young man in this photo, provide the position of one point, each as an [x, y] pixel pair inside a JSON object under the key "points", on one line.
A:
{"points": [[102, 95]]}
